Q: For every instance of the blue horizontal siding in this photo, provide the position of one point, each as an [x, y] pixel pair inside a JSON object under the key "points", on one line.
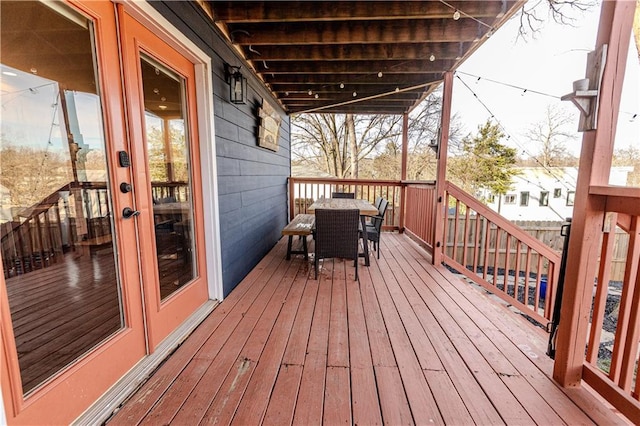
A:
{"points": [[252, 181]]}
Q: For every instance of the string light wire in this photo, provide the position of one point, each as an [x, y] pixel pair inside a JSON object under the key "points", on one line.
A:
{"points": [[515, 140]]}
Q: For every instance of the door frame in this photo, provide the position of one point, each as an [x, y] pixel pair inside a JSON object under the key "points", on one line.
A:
{"points": [[165, 30]]}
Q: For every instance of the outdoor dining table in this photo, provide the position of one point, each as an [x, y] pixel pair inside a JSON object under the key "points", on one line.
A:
{"points": [[365, 207]]}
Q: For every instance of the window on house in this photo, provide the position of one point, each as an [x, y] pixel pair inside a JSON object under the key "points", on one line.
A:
{"points": [[524, 198], [544, 198], [571, 197], [557, 193], [491, 198], [510, 199]]}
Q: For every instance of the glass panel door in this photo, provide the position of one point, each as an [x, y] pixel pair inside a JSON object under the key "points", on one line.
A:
{"points": [[167, 139], [70, 265], [58, 245], [167, 183]]}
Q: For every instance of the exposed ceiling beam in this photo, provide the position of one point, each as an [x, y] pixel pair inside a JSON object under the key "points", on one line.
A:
{"points": [[409, 79], [356, 109], [347, 67], [341, 52], [337, 32], [270, 11]]}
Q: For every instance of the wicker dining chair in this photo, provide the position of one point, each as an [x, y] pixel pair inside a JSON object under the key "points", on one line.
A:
{"points": [[337, 235], [374, 229], [343, 195]]}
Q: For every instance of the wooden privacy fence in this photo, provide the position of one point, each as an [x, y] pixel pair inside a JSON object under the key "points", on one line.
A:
{"points": [[304, 191], [549, 233]]}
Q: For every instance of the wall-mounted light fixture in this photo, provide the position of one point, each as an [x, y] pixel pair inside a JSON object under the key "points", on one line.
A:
{"points": [[237, 85]]}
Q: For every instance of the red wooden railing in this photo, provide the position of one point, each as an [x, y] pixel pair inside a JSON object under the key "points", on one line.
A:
{"points": [[419, 213], [486, 248], [40, 235], [499, 256], [614, 374], [304, 191]]}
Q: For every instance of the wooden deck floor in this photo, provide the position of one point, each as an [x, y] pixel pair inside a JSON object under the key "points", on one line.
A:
{"points": [[407, 344]]}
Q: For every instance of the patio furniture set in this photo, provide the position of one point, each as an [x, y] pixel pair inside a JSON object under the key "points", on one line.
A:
{"points": [[337, 225]]}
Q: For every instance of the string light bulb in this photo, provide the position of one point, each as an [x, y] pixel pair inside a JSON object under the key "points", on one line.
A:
{"points": [[355, 94], [380, 74], [397, 89], [456, 15], [310, 92], [316, 96], [342, 85], [432, 57]]}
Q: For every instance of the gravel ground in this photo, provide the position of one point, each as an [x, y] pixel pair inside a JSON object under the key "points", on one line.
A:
{"points": [[610, 315]]}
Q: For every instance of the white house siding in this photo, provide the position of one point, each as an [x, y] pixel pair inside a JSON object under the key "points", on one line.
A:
{"points": [[535, 180]]}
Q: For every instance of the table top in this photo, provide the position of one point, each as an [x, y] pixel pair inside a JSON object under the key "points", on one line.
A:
{"points": [[365, 207]]}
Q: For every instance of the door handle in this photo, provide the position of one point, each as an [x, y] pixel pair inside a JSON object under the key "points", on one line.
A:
{"points": [[128, 213]]}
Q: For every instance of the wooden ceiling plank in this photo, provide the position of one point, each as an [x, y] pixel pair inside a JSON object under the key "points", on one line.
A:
{"points": [[356, 109], [267, 11], [340, 32], [408, 79], [333, 52], [347, 67]]}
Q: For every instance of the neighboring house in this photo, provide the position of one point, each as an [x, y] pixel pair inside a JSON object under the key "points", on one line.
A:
{"points": [[544, 193]]}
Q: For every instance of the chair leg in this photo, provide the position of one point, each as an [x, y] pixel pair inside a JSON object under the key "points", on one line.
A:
{"points": [[356, 266]]}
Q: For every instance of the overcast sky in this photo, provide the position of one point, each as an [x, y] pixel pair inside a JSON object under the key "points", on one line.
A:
{"points": [[548, 64]]}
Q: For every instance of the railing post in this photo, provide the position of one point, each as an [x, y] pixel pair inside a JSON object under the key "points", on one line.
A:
{"points": [[440, 201], [291, 199], [403, 169], [595, 161]]}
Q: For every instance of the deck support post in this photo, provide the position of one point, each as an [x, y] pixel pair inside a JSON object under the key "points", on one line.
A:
{"points": [[440, 203], [595, 162], [403, 168]]}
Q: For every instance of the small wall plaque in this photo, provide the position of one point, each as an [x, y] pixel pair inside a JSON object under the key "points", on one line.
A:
{"points": [[269, 126]]}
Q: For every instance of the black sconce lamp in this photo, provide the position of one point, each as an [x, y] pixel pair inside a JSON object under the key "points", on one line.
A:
{"points": [[237, 84]]}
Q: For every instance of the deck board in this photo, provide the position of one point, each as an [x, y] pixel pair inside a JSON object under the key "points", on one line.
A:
{"points": [[409, 343]]}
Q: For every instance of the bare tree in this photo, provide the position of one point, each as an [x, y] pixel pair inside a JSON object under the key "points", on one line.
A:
{"points": [[321, 141], [353, 145], [564, 12], [551, 135]]}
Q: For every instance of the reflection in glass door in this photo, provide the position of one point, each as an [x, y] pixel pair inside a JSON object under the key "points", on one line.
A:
{"points": [[168, 162], [56, 212]]}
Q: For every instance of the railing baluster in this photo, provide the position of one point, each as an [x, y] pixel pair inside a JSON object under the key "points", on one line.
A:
{"points": [[487, 238], [476, 239], [600, 300], [507, 255], [527, 273], [538, 277], [495, 256], [465, 237], [456, 218], [517, 270]]}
